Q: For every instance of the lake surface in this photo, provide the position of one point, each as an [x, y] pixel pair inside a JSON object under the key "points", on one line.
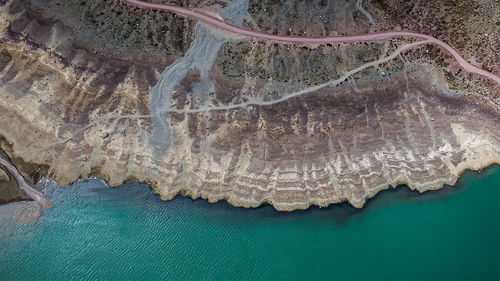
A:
{"points": [[126, 233]]}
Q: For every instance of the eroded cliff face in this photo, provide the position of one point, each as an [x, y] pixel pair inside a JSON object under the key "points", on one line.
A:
{"points": [[251, 123], [335, 145]]}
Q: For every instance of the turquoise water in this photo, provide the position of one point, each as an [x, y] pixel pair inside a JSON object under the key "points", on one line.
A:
{"points": [[95, 232]]}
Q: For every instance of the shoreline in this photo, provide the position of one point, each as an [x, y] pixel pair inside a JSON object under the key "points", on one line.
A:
{"points": [[312, 206], [389, 188], [31, 211]]}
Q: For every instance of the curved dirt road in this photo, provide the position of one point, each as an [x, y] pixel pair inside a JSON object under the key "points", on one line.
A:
{"points": [[201, 15]]}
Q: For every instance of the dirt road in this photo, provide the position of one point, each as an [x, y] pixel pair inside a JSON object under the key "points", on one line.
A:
{"points": [[213, 20]]}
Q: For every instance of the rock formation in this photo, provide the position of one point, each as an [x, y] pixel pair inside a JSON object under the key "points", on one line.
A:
{"points": [[237, 119]]}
